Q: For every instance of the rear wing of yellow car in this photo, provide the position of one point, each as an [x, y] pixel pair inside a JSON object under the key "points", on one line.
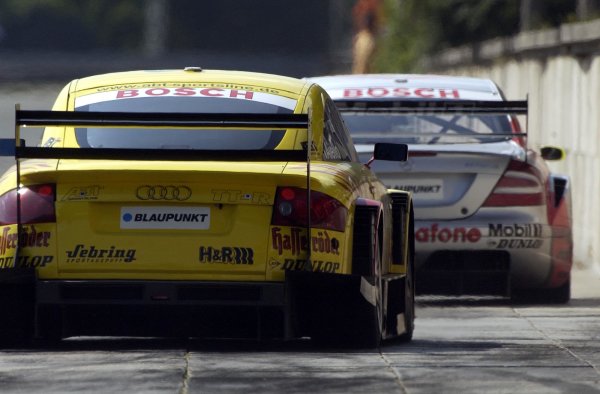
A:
{"points": [[439, 107], [15, 147]]}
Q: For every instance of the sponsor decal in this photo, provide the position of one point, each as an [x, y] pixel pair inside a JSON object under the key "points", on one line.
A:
{"points": [[205, 92], [296, 243], [25, 261], [516, 236], [188, 85], [30, 238], [227, 195], [273, 263], [223, 92], [92, 254], [82, 193], [297, 265], [169, 218], [434, 233], [163, 192], [529, 230], [518, 243], [226, 255], [424, 189], [381, 92]]}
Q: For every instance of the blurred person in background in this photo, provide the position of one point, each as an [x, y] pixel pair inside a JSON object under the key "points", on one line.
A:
{"points": [[366, 15]]}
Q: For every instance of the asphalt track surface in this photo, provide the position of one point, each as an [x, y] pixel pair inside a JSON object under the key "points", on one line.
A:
{"points": [[461, 345]]}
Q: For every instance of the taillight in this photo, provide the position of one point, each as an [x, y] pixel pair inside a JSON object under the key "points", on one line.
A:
{"points": [[37, 205], [520, 185], [291, 210]]}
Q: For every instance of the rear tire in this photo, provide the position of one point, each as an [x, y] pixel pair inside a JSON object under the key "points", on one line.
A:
{"points": [[356, 322], [409, 285], [556, 295], [367, 328], [50, 325], [16, 315], [561, 295], [409, 303], [369, 333]]}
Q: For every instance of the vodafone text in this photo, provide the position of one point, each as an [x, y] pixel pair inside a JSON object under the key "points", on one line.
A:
{"points": [[434, 233]]}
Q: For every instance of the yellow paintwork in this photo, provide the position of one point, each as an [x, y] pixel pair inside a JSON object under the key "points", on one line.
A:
{"points": [[87, 241]]}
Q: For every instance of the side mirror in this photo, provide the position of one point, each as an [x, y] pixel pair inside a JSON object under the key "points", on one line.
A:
{"points": [[390, 152], [552, 153]]}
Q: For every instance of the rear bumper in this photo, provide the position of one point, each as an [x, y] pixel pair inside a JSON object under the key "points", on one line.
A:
{"points": [[290, 309], [483, 243], [465, 273], [161, 308], [118, 292]]}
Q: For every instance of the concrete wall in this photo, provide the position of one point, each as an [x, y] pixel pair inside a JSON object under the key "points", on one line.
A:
{"points": [[559, 70]]}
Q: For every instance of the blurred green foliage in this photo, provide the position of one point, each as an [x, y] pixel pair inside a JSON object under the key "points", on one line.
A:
{"points": [[418, 28]]}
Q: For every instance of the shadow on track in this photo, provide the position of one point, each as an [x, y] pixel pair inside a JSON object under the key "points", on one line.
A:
{"points": [[218, 345]]}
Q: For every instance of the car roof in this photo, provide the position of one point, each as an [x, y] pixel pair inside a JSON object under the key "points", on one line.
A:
{"points": [[470, 88], [192, 74]]}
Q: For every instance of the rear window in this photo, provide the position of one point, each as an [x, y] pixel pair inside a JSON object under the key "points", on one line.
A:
{"points": [[369, 127], [165, 138]]}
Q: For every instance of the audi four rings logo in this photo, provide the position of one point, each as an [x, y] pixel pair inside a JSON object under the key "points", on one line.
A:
{"points": [[163, 192]]}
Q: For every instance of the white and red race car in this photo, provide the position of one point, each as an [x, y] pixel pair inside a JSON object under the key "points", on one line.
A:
{"points": [[490, 216]]}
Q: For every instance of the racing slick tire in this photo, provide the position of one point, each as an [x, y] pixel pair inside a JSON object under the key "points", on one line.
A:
{"points": [[366, 329], [49, 326], [397, 332], [555, 295], [16, 307], [355, 319], [409, 288], [560, 295]]}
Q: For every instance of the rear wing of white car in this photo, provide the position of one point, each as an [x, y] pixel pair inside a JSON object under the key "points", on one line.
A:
{"points": [[438, 107], [435, 106]]}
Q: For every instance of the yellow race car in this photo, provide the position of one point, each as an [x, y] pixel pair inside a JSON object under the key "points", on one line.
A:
{"points": [[200, 203]]}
